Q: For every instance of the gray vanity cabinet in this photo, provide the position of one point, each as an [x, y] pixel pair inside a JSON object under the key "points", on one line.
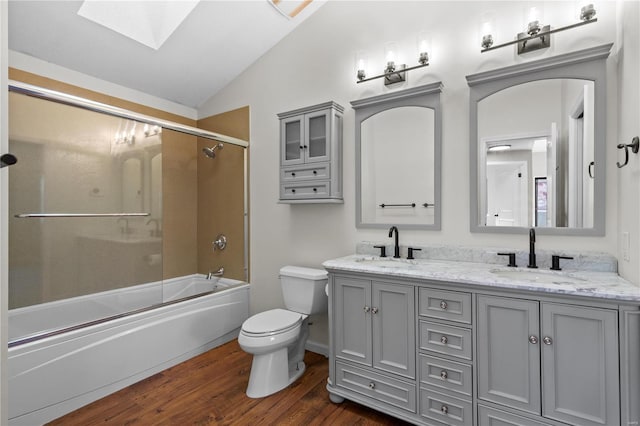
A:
{"points": [[551, 359], [311, 154], [376, 325]]}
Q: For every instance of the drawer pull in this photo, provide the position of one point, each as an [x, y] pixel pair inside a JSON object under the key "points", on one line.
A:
{"points": [[374, 310], [533, 340], [444, 409], [367, 309], [443, 305], [444, 340], [547, 340], [444, 375], [372, 385]]}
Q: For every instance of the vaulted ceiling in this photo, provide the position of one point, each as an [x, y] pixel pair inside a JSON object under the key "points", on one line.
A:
{"points": [[215, 42]]}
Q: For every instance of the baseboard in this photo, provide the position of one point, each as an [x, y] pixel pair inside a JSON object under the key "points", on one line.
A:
{"points": [[319, 348]]}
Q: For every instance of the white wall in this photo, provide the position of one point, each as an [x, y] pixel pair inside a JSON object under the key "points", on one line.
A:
{"points": [[316, 63], [628, 190]]}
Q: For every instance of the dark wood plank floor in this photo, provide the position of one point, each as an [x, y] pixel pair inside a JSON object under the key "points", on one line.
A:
{"points": [[209, 389]]}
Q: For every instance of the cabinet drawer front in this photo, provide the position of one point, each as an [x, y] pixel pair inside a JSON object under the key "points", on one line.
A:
{"points": [[445, 408], [304, 190], [391, 391], [306, 172], [448, 305], [438, 372], [444, 339], [491, 417]]}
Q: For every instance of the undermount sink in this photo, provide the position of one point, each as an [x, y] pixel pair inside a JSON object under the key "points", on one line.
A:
{"points": [[386, 262], [542, 277]]}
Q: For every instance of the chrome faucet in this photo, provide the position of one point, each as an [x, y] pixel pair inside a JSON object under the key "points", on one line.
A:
{"points": [[396, 247], [155, 232], [532, 249], [217, 273], [125, 229]]}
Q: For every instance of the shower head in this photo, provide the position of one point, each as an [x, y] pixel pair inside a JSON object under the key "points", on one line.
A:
{"points": [[210, 152]]}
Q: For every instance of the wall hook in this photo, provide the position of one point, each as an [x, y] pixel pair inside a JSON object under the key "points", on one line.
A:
{"points": [[635, 147]]}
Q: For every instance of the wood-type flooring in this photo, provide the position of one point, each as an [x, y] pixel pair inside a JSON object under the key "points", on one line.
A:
{"points": [[209, 389]]}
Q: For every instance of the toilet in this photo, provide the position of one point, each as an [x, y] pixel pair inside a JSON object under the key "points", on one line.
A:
{"points": [[276, 338]]}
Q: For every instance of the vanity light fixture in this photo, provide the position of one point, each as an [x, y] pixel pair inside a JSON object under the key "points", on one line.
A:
{"points": [[394, 72], [149, 131], [536, 36], [501, 147]]}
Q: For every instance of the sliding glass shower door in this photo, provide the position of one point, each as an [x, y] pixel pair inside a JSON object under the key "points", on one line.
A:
{"points": [[85, 208]]}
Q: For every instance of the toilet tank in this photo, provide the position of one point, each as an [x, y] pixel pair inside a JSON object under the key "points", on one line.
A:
{"points": [[303, 289]]}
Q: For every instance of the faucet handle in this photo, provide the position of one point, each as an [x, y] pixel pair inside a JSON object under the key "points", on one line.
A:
{"points": [[555, 262], [512, 258], [383, 250], [411, 250]]}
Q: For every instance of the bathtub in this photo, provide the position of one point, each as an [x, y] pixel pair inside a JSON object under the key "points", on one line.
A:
{"points": [[51, 376]]}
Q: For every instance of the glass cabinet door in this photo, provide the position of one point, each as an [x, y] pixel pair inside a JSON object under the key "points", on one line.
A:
{"points": [[317, 137], [292, 144]]}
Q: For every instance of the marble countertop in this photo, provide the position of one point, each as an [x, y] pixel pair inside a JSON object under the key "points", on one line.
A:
{"points": [[603, 285]]}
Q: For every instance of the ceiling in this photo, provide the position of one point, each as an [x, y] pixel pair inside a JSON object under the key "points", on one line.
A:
{"points": [[216, 42]]}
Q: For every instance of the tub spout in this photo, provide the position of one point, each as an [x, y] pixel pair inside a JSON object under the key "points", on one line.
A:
{"points": [[217, 273]]}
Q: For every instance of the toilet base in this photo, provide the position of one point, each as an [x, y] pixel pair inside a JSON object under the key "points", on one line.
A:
{"points": [[277, 378]]}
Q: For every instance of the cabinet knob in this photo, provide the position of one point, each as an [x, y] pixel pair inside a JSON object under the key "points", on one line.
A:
{"points": [[444, 340], [444, 375], [293, 190], [315, 189], [374, 310], [444, 409], [547, 340], [301, 147], [367, 309], [372, 385], [533, 340], [315, 173], [293, 173], [443, 305]]}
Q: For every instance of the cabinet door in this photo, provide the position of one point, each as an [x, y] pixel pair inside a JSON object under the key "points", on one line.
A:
{"points": [[508, 352], [580, 365], [392, 312], [352, 300], [317, 136], [292, 140]]}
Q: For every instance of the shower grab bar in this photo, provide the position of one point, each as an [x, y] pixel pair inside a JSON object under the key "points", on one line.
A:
{"points": [[47, 215]]}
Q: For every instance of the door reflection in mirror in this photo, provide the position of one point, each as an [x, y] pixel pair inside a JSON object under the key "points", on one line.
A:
{"points": [[547, 137]]}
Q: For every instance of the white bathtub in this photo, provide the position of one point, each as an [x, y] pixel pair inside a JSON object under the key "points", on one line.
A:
{"points": [[52, 376]]}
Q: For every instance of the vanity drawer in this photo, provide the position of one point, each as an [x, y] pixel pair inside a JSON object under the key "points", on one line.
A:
{"points": [[302, 190], [305, 172], [442, 373], [446, 305], [386, 389], [445, 409], [492, 417], [445, 339]]}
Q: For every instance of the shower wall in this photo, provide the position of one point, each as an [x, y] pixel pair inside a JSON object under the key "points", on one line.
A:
{"points": [[221, 204]]}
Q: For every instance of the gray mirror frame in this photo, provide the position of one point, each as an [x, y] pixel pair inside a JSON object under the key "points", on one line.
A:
{"points": [[427, 96], [587, 64]]}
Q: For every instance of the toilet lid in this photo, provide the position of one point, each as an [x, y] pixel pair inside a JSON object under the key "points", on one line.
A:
{"points": [[273, 321]]}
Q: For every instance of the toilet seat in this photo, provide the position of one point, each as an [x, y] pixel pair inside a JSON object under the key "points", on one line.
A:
{"points": [[268, 323]]}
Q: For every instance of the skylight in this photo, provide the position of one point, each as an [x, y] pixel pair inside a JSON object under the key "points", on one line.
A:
{"points": [[148, 22]]}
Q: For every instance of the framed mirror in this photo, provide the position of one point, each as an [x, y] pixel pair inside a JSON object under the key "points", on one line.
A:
{"points": [[537, 145], [398, 151]]}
